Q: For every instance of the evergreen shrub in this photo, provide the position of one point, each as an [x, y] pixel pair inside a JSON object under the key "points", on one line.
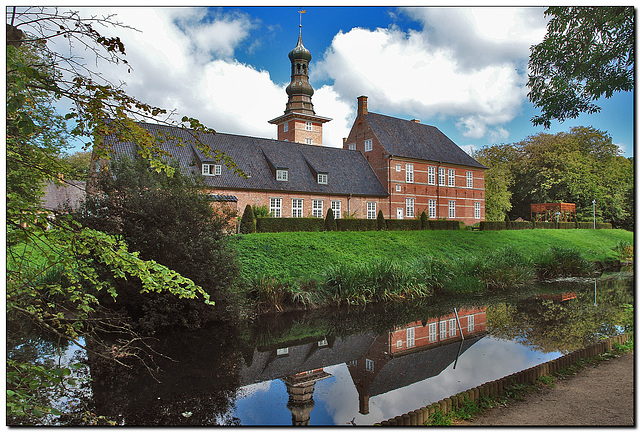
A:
{"points": [[545, 225], [444, 224], [517, 225], [381, 224], [264, 225], [330, 221], [424, 221], [492, 225], [356, 224], [566, 225], [404, 225], [248, 221]]}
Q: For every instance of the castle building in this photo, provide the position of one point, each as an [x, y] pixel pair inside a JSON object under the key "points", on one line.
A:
{"points": [[400, 167]]}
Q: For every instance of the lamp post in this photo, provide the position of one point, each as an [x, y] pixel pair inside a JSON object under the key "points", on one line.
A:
{"points": [[594, 213]]}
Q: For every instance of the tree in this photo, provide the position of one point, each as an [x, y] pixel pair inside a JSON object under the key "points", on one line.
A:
{"points": [[248, 222], [381, 223], [78, 165], [587, 53], [498, 179], [330, 221]]}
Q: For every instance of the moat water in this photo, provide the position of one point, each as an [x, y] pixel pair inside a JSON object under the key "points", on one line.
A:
{"points": [[356, 365]]}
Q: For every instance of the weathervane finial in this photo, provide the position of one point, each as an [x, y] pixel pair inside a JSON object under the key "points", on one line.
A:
{"points": [[301, 12]]}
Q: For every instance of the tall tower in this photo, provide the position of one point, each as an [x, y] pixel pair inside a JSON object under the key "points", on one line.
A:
{"points": [[300, 122]]}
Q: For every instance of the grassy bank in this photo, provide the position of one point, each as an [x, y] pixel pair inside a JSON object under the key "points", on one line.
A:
{"points": [[290, 256]]}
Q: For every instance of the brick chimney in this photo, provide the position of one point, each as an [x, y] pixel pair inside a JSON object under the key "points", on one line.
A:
{"points": [[415, 121], [362, 106]]}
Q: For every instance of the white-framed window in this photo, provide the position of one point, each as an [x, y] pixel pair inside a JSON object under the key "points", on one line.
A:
{"points": [[399, 343], [308, 126], [441, 176], [323, 178], [443, 330], [398, 167], [336, 207], [398, 188], [211, 170], [476, 210], [432, 209], [308, 141], [282, 351], [371, 210], [471, 325], [368, 145], [296, 207], [452, 327], [323, 343], [452, 209], [352, 146], [285, 127], [411, 337], [469, 179], [282, 175], [368, 365], [431, 175], [452, 177], [408, 169], [433, 332], [410, 207], [316, 209], [275, 207]]}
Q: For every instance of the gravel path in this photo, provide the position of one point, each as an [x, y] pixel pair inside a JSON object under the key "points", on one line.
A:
{"points": [[601, 395]]}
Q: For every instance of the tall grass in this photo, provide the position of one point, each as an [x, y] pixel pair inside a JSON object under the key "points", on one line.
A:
{"points": [[559, 261]]}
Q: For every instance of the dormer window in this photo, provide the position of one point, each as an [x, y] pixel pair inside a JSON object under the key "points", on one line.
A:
{"points": [[282, 175], [368, 145], [323, 178], [211, 170]]}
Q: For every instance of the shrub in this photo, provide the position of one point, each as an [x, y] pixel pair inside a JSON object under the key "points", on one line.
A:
{"points": [[404, 225], [520, 225], [562, 261], [503, 268], [270, 294], [381, 225], [566, 225], [507, 221], [356, 224], [442, 224], [424, 221], [330, 221], [264, 225], [261, 211], [545, 225], [492, 225], [248, 221]]}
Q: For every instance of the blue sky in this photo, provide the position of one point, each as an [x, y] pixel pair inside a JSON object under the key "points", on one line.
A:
{"points": [[460, 69]]}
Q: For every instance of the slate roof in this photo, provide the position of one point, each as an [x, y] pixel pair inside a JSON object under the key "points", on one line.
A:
{"points": [[409, 139], [348, 171], [72, 192]]}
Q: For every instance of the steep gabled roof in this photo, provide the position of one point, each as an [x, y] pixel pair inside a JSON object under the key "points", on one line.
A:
{"points": [[348, 171], [404, 138]]}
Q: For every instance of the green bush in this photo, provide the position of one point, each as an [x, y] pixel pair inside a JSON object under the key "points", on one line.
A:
{"points": [[441, 224], [492, 225], [381, 224], [562, 261], [404, 225], [424, 221], [357, 224], [545, 225], [265, 225], [520, 225], [566, 225], [330, 221], [261, 211], [503, 268], [248, 221]]}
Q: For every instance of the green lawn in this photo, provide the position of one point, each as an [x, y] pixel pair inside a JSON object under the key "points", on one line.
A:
{"points": [[288, 256]]}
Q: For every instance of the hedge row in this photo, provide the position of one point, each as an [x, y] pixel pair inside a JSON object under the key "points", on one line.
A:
{"points": [[264, 225], [502, 225]]}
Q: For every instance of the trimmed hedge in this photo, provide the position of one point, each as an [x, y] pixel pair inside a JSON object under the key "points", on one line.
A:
{"points": [[566, 225], [520, 225], [492, 225], [545, 225], [264, 225], [357, 224], [444, 224], [404, 225]]}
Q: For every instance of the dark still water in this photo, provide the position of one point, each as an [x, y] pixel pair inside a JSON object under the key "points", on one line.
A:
{"points": [[357, 366]]}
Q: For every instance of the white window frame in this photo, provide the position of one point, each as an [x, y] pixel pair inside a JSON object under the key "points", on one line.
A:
{"points": [[297, 207], [398, 188], [471, 324], [410, 204], [408, 176], [323, 178], [211, 169], [476, 210], [432, 208], [316, 208], [352, 146], [443, 330], [275, 207], [285, 127], [369, 365], [452, 327], [433, 332], [282, 175], [441, 176], [336, 207], [452, 177], [368, 145], [308, 141], [469, 179], [282, 351], [452, 209], [399, 343], [398, 167], [308, 126], [411, 337], [431, 175], [371, 210]]}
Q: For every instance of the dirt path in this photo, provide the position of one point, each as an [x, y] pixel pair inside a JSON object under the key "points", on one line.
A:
{"points": [[601, 395]]}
